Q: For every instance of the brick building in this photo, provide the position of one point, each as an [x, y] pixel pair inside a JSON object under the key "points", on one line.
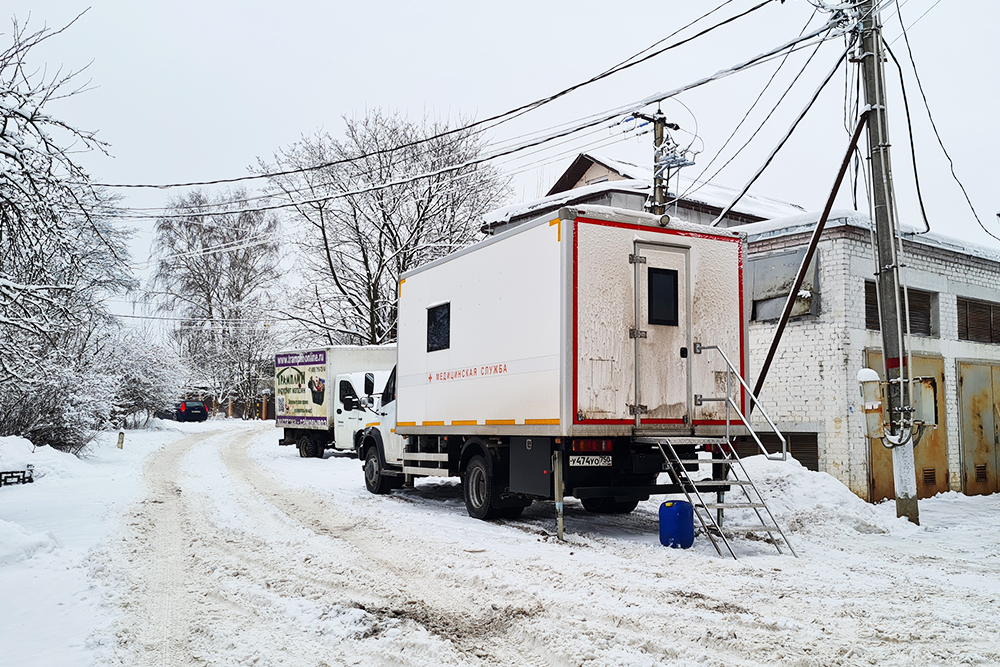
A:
{"points": [[812, 392]]}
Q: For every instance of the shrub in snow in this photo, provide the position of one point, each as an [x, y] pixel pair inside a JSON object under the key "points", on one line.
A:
{"points": [[62, 406]]}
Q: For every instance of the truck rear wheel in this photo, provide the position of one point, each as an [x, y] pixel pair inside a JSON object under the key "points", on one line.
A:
{"points": [[480, 490], [304, 447], [375, 481]]}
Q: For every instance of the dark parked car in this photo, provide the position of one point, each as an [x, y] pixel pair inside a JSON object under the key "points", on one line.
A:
{"points": [[191, 411]]}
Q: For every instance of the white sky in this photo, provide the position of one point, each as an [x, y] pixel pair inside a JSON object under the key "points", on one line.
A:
{"points": [[198, 90]]}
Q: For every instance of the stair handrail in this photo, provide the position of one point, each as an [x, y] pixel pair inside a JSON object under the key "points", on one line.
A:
{"points": [[756, 401]]}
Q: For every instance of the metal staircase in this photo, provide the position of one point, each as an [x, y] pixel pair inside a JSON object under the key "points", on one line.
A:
{"points": [[728, 472]]}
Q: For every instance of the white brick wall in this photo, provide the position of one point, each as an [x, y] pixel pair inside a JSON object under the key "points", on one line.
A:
{"points": [[812, 384]]}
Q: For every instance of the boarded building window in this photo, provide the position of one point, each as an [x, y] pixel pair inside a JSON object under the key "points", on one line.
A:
{"points": [[771, 277], [923, 310], [439, 327], [662, 296], [978, 321]]}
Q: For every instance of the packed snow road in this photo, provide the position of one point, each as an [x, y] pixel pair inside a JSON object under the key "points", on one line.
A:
{"points": [[238, 552]]}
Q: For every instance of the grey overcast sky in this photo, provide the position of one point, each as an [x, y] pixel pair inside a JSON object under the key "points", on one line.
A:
{"points": [[198, 90]]}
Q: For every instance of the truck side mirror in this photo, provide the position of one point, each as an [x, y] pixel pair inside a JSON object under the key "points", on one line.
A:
{"points": [[369, 384]]}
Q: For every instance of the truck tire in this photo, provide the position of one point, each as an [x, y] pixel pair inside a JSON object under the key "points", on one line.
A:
{"points": [[305, 449], [480, 490], [375, 481], [317, 449]]}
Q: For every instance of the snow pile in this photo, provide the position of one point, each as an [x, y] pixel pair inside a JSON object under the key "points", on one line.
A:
{"points": [[17, 544], [810, 502], [17, 453]]}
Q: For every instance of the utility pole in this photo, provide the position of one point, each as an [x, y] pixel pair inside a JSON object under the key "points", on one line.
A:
{"points": [[659, 188], [664, 159], [887, 267]]}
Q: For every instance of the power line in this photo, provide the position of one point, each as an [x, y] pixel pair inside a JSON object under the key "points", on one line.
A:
{"points": [[698, 180], [784, 139], [495, 120], [930, 117], [795, 44]]}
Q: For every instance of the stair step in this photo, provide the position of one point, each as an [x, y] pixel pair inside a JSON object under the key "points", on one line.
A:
{"points": [[725, 506], [424, 456], [420, 472], [721, 482], [680, 440], [721, 462], [751, 529]]}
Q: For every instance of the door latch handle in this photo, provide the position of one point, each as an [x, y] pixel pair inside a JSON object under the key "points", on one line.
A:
{"points": [[684, 353]]}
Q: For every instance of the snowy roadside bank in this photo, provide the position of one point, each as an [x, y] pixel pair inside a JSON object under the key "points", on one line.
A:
{"points": [[50, 532]]}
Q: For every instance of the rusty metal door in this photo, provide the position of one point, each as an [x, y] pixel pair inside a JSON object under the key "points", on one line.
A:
{"points": [[662, 325], [930, 457], [979, 397]]}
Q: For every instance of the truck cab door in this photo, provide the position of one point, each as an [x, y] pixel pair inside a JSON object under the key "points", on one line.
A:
{"points": [[350, 415], [392, 443]]}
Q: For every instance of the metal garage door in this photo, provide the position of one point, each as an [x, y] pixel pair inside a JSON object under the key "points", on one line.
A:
{"points": [[979, 402], [930, 457]]}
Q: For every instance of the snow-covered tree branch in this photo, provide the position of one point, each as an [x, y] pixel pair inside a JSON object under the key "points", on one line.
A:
{"points": [[354, 248]]}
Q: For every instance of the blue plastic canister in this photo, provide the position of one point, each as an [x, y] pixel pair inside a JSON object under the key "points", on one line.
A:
{"points": [[676, 524]]}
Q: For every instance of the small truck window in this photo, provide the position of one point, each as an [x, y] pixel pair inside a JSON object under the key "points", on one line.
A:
{"points": [[662, 296], [439, 327], [347, 391]]}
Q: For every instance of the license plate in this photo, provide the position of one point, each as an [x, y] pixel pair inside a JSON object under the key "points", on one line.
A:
{"points": [[584, 461]]}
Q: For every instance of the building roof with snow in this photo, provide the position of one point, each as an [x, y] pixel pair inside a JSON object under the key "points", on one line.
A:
{"points": [[595, 179]]}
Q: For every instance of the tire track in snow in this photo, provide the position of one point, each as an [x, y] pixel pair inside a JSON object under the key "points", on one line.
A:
{"points": [[476, 627], [158, 626]]}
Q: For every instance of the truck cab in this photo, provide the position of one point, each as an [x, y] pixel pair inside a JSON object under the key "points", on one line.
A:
{"points": [[359, 398]]}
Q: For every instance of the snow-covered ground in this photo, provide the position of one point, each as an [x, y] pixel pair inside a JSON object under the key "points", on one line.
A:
{"points": [[209, 544]]}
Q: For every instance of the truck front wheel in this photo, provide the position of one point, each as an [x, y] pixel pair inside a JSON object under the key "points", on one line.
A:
{"points": [[480, 490], [375, 481]]}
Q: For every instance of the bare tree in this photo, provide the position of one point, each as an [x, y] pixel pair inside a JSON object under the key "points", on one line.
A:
{"points": [[217, 262], [60, 255], [358, 237]]}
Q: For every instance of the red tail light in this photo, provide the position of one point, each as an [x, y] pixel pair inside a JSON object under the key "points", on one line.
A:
{"points": [[708, 447], [183, 407], [592, 445]]}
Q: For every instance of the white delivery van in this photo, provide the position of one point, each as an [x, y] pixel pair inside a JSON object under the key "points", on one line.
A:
{"points": [[324, 396], [564, 346]]}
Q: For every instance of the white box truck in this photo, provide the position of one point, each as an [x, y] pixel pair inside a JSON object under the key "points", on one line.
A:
{"points": [[554, 349], [324, 396]]}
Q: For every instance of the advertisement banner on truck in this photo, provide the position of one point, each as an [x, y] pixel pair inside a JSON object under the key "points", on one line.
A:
{"points": [[300, 389]]}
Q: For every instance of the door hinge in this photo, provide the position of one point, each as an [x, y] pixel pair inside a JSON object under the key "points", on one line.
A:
{"points": [[636, 259], [637, 409], [635, 333], [698, 399]]}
